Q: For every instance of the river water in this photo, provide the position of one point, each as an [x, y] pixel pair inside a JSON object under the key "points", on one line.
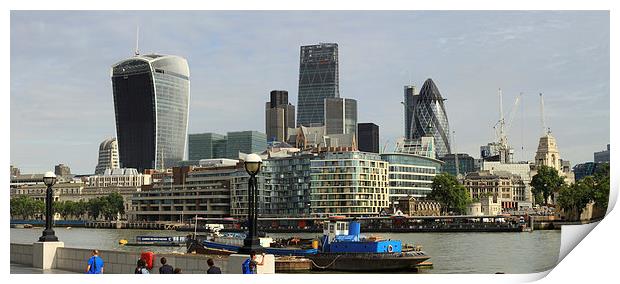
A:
{"points": [[525, 252]]}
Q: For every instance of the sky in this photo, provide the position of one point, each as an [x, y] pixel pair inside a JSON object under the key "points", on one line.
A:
{"points": [[61, 103]]}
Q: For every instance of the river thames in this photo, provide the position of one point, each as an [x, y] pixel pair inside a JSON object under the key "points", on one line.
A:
{"points": [[525, 252]]}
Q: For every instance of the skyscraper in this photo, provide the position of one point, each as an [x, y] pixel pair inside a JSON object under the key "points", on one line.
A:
{"points": [[151, 102], [340, 116], [409, 102], [108, 156], [430, 118], [318, 79], [279, 116], [368, 137]]}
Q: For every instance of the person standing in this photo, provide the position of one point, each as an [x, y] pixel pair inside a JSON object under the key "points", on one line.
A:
{"points": [[165, 268], [212, 268], [95, 263], [249, 265], [141, 267]]}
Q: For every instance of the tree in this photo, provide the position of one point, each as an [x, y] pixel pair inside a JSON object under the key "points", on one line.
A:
{"points": [[113, 205], [575, 197], [26, 207], [107, 206], [545, 183], [601, 186], [94, 207], [594, 188], [81, 208], [449, 192]]}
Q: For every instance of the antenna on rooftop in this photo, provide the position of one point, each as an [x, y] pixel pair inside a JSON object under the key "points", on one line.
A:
{"points": [[137, 51]]}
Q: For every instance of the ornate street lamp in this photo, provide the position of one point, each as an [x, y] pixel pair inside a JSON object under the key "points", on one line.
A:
{"points": [[252, 242], [49, 179]]}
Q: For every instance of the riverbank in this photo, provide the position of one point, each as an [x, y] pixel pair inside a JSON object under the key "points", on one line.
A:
{"points": [[425, 227], [450, 252]]}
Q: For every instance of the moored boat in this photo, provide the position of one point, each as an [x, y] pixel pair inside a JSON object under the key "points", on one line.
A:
{"points": [[343, 248]]}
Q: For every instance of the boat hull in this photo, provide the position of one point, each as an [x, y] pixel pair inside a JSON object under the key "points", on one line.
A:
{"points": [[368, 262]]}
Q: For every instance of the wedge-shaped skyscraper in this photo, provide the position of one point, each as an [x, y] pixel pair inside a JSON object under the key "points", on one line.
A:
{"points": [[151, 102], [430, 118], [318, 79]]}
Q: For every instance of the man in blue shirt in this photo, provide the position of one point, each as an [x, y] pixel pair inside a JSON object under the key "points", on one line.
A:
{"points": [[249, 266], [95, 264]]}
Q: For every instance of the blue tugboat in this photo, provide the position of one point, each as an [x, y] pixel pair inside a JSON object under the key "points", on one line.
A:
{"points": [[343, 248]]}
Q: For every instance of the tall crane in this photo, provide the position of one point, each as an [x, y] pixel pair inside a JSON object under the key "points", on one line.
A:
{"points": [[502, 127]]}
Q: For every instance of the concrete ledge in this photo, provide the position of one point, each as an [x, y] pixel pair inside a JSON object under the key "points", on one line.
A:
{"points": [[116, 262], [44, 254]]}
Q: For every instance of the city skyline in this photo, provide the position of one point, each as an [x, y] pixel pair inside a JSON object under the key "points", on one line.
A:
{"points": [[468, 59]]}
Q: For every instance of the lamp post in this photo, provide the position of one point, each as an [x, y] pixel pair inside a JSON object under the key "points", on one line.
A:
{"points": [[49, 179], [252, 242]]}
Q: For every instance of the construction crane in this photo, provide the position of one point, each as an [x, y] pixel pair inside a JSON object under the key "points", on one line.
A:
{"points": [[385, 145], [502, 127]]}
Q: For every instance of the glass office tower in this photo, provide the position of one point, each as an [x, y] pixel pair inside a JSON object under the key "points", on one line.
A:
{"points": [[340, 116], [430, 118], [151, 103], [318, 79]]}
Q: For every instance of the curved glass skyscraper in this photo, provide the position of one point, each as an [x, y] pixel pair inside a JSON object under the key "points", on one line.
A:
{"points": [[430, 118], [151, 102]]}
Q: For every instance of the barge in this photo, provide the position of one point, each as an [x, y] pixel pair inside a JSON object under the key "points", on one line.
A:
{"points": [[341, 248]]}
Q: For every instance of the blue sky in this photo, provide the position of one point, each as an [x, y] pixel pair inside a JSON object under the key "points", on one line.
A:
{"points": [[61, 96]]}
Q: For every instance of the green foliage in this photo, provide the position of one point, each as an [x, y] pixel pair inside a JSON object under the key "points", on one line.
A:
{"points": [[107, 206], [545, 183], [25, 207], [450, 193], [595, 188]]}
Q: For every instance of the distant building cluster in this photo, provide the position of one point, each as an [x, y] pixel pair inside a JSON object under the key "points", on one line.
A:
{"points": [[318, 160]]}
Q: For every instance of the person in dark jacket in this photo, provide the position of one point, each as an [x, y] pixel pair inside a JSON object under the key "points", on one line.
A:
{"points": [[165, 268], [212, 268]]}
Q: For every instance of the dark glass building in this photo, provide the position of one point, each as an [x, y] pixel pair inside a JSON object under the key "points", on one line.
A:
{"points": [[279, 116], [409, 102], [466, 164], [585, 169], [340, 116], [368, 137], [430, 118], [318, 79], [151, 103]]}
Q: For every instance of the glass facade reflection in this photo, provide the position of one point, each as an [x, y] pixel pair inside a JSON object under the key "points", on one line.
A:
{"points": [[410, 175], [151, 103], [430, 118], [318, 79]]}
